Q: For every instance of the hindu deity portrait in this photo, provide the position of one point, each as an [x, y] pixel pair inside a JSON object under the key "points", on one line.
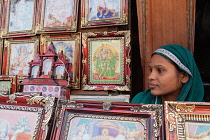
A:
{"points": [[106, 60], [20, 56]]}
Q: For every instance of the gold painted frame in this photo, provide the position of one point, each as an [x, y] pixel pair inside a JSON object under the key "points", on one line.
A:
{"points": [[17, 53], [117, 118], [32, 116], [95, 13], [187, 120], [71, 46], [106, 61], [55, 16], [19, 18], [8, 84]]}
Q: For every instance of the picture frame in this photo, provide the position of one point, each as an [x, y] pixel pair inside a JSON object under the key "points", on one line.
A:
{"points": [[58, 16], [8, 84], [18, 52], [90, 119], [19, 18], [1, 53], [70, 44], [106, 61], [125, 98], [187, 120], [96, 13], [32, 116]]}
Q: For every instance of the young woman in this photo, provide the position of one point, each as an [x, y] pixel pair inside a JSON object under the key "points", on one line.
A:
{"points": [[174, 76]]}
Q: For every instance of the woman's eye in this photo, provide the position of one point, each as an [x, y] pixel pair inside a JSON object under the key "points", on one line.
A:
{"points": [[150, 69], [160, 70]]}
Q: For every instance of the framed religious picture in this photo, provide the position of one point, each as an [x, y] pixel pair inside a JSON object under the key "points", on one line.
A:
{"points": [[1, 13], [19, 18], [70, 44], [97, 13], [106, 61], [18, 52], [8, 84], [56, 16], [32, 116], [187, 120], [105, 120], [1, 53]]}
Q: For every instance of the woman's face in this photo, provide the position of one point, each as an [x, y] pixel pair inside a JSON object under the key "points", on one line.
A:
{"points": [[164, 79]]}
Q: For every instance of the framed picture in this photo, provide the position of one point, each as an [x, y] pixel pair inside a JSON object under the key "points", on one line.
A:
{"points": [[70, 44], [106, 61], [97, 13], [56, 16], [115, 98], [18, 52], [32, 115], [19, 18], [1, 13], [187, 120], [8, 84], [1, 53], [102, 120]]}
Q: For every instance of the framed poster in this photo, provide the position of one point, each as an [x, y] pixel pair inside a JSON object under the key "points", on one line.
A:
{"points": [[106, 61], [19, 18], [187, 120], [18, 52], [32, 115], [56, 16], [8, 84], [1, 53], [104, 120], [70, 44], [97, 13]]}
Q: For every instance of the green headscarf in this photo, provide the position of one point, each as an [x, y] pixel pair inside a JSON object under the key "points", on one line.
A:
{"points": [[192, 90]]}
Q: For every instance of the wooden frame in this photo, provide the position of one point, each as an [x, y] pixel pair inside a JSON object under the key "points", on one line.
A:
{"points": [[19, 18], [184, 120], [8, 84], [103, 13], [106, 61], [106, 98], [1, 53], [56, 16], [32, 115], [90, 119], [18, 52], [70, 44]]}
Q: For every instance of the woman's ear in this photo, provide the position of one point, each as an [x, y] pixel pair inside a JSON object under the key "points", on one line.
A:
{"points": [[184, 77]]}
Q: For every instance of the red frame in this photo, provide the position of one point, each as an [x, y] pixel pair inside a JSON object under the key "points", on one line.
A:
{"points": [[149, 115], [126, 48], [7, 50], [121, 20], [43, 106], [57, 29], [75, 66], [178, 114], [5, 22], [13, 81]]}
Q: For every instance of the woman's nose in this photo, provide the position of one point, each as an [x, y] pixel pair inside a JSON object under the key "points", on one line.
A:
{"points": [[152, 75]]}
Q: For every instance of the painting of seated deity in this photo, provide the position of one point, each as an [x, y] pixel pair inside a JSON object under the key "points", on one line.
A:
{"points": [[97, 13]]}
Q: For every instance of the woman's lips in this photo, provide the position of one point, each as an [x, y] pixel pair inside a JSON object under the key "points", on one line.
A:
{"points": [[152, 85]]}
